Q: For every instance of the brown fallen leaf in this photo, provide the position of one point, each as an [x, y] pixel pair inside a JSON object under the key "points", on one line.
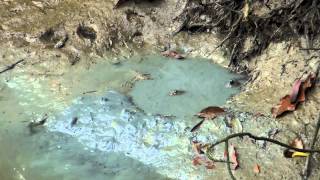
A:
{"points": [[307, 83], [284, 105], [211, 112], [202, 160], [207, 113], [234, 157], [295, 90], [172, 54], [298, 95], [256, 169]]}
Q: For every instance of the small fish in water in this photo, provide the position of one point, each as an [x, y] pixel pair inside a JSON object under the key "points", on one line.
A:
{"points": [[172, 54], [33, 124], [74, 121], [176, 92]]}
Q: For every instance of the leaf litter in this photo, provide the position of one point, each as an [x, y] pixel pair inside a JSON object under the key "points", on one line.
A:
{"points": [[298, 95]]}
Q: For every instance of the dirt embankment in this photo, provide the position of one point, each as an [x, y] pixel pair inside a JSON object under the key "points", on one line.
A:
{"points": [[57, 34]]}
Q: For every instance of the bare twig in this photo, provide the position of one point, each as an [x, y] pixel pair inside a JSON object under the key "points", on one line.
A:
{"points": [[311, 49], [11, 66], [257, 138]]}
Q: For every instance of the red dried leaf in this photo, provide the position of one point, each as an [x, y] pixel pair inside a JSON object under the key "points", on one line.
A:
{"points": [[234, 157], [295, 91], [202, 160], [256, 169], [298, 94], [172, 54], [209, 164], [285, 105], [308, 83], [196, 161]]}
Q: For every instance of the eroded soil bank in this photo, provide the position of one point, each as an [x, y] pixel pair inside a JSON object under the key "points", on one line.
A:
{"points": [[56, 37]]}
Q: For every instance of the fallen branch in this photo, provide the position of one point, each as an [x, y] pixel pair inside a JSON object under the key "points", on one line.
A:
{"points": [[11, 66], [258, 138], [312, 49]]}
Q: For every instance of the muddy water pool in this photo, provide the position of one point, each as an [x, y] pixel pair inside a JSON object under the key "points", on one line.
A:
{"points": [[120, 131]]}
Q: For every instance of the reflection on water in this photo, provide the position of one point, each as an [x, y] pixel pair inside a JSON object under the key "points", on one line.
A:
{"points": [[112, 138]]}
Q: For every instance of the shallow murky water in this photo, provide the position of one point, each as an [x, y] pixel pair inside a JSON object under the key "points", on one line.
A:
{"points": [[114, 137]]}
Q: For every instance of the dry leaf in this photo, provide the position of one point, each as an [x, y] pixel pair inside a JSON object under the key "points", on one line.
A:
{"points": [[298, 94], [256, 169], [172, 54], [211, 112], [196, 161], [207, 113], [295, 91], [297, 143], [234, 157], [196, 147], [308, 83], [285, 105], [202, 160]]}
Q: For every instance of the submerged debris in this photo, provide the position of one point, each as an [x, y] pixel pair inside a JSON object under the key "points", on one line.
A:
{"points": [[176, 92], [34, 124], [141, 76], [74, 121]]}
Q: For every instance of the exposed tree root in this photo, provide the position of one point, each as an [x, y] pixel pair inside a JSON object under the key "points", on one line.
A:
{"points": [[238, 20]]}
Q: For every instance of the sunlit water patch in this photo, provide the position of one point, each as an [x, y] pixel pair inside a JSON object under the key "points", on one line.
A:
{"points": [[126, 137]]}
